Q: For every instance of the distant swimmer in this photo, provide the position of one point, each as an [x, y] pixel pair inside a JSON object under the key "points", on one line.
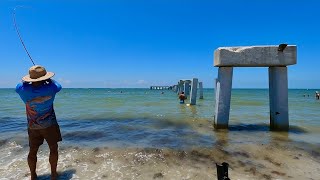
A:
{"points": [[317, 95], [182, 97], [162, 92]]}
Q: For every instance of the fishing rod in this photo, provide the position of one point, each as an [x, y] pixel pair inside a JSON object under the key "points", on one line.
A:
{"points": [[16, 27]]}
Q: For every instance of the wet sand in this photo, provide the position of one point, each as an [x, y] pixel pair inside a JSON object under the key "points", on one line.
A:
{"points": [[247, 161]]}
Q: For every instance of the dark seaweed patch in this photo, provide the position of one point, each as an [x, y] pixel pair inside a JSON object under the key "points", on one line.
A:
{"points": [[278, 173], [83, 135], [198, 154], [272, 161], [266, 176], [158, 175], [3, 142], [238, 153], [252, 170]]}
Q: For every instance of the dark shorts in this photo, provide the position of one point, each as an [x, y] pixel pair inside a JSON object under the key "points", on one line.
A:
{"points": [[51, 134]]}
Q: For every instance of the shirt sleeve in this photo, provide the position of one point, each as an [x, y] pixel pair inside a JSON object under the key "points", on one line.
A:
{"points": [[19, 87], [57, 85]]}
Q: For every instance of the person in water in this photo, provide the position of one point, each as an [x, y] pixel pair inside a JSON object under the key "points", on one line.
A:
{"points": [[38, 91], [182, 97], [317, 95]]}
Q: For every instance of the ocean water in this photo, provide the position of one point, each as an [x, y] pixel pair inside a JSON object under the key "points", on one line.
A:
{"points": [[143, 134]]}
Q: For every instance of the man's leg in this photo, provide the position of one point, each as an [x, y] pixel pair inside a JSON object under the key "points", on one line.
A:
{"points": [[32, 161], [53, 159], [35, 141], [53, 136]]}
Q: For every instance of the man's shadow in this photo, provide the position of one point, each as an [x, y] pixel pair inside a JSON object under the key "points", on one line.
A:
{"points": [[65, 175]]}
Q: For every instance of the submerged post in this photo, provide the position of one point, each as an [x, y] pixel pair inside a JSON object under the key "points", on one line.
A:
{"points": [[201, 90], [194, 87], [223, 97]]}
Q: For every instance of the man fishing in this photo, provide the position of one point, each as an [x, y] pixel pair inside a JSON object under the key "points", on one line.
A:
{"points": [[38, 91]]}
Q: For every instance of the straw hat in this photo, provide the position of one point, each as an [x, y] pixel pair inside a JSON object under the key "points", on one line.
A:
{"points": [[37, 73]]}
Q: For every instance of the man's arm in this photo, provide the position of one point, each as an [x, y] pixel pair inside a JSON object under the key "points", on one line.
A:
{"points": [[57, 85], [20, 86]]}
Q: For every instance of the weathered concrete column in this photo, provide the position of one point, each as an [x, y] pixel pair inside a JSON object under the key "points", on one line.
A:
{"points": [[180, 86], [177, 88], [187, 88], [193, 95], [223, 97], [201, 90], [278, 96]]}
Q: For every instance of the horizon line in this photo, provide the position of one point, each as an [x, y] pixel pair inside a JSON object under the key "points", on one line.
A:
{"points": [[153, 89]]}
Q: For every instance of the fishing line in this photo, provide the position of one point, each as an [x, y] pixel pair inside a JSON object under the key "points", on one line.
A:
{"points": [[16, 27]]}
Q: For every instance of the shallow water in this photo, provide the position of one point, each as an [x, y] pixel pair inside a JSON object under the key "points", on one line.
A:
{"points": [[143, 134]]}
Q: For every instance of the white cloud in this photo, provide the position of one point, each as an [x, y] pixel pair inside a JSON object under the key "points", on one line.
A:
{"points": [[141, 82], [64, 81]]}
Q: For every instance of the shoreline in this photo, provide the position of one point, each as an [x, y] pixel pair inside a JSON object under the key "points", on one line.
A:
{"points": [[246, 161]]}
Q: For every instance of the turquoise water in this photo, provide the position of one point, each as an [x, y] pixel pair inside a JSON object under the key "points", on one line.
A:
{"points": [[90, 115], [143, 118]]}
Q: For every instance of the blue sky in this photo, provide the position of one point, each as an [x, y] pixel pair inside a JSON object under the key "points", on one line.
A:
{"points": [[118, 43]]}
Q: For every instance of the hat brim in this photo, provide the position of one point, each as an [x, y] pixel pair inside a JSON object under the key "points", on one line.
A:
{"points": [[47, 76]]}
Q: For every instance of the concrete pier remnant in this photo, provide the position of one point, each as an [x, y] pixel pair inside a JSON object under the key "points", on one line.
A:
{"points": [[181, 86], [193, 94], [201, 90], [174, 88], [184, 85], [160, 87], [187, 87], [277, 58], [278, 98], [223, 97]]}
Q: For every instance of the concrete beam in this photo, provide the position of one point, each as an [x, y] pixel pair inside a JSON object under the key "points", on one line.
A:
{"points": [[255, 56]]}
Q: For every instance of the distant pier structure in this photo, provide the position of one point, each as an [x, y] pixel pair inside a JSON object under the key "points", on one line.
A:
{"points": [[190, 89], [160, 87], [276, 58]]}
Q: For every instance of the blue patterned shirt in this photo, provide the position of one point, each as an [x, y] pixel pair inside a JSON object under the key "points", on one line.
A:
{"points": [[39, 103]]}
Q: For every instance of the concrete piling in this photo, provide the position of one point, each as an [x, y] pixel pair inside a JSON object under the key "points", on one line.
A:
{"points": [[193, 94], [223, 97], [278, 98], [187, 88]]}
